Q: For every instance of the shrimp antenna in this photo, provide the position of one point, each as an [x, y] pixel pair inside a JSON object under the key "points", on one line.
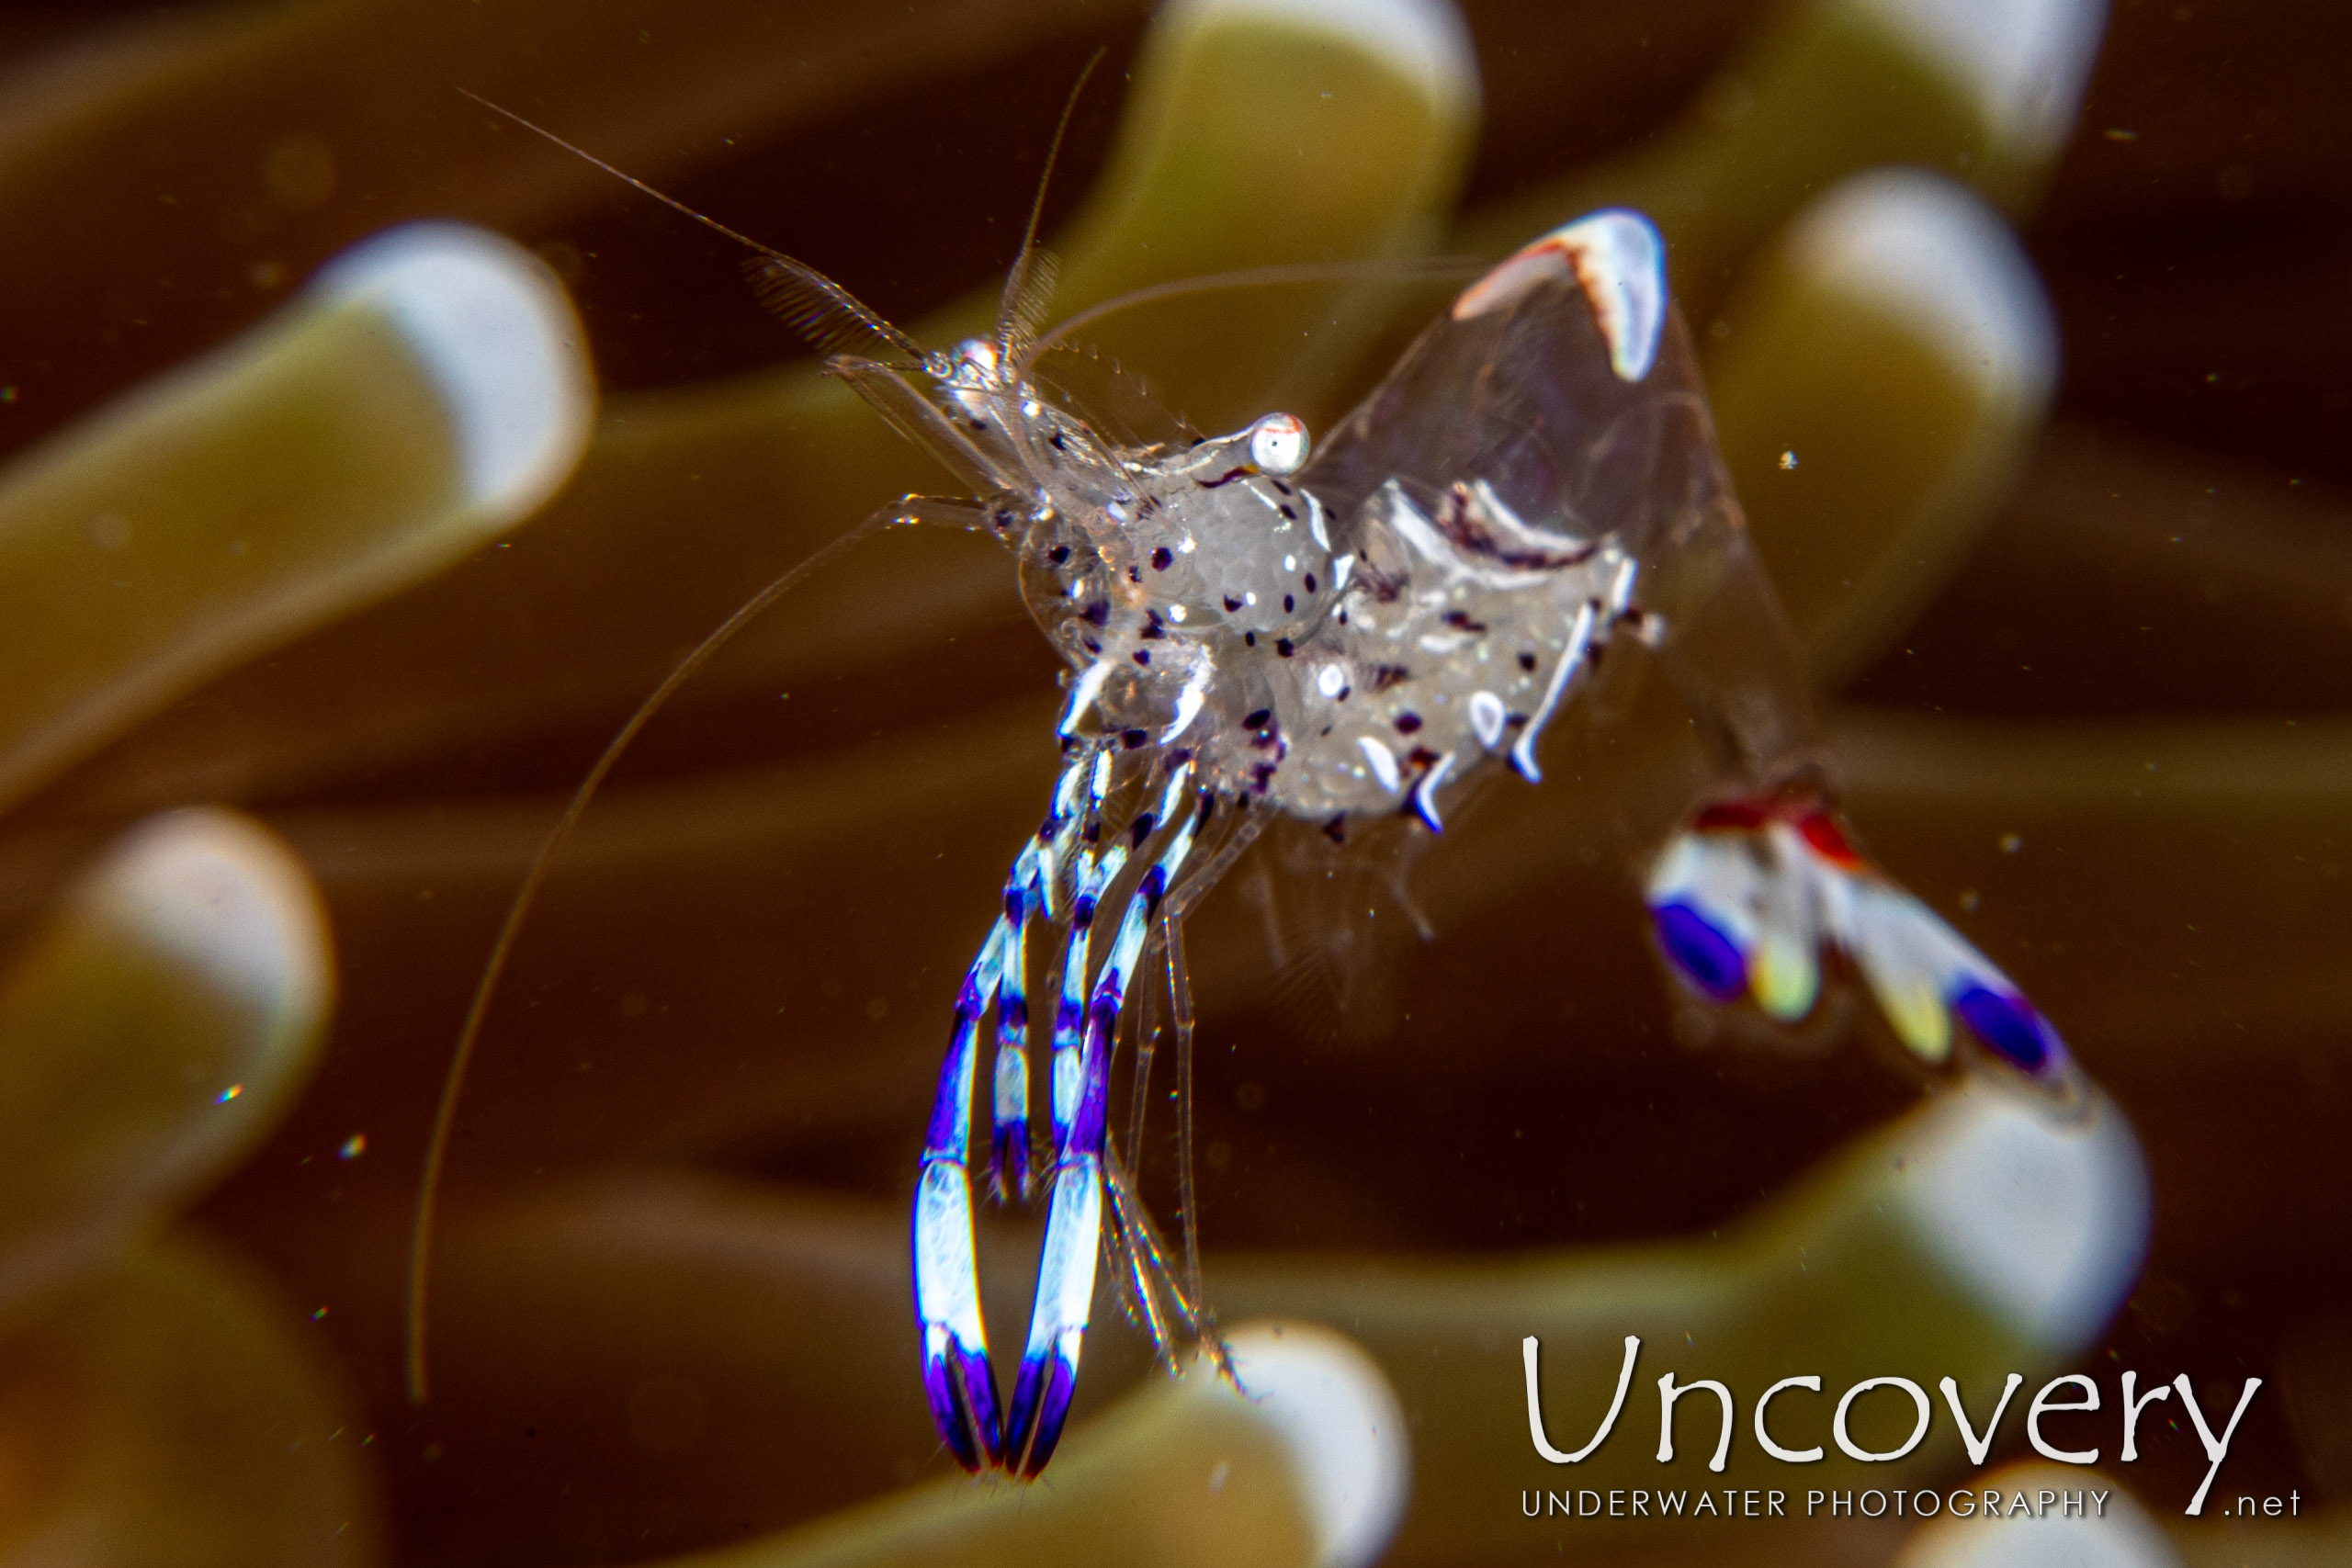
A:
{"points": [[829, 317], [444, 1117], [1425, 269], [1030, 283]]}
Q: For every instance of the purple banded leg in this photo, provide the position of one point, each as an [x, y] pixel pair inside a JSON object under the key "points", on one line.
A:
{"points": [[1093, 875], [1009, 1153], [1073, 1227], [1075, 1207], [955, 1374], [1076, 807], [1048, 1376], [1009, 1159]]}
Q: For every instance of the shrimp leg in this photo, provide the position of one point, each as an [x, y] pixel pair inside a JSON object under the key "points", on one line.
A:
{"points": [[1082, 1091], [957, 1378]]}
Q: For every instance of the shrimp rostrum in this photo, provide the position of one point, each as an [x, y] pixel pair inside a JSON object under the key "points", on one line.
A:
{"points": [[1256, 630]]}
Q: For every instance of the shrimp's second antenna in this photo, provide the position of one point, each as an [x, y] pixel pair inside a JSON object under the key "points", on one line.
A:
{"points": [[444, 1116]]}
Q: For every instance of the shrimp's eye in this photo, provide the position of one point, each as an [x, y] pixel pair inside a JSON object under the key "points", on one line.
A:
{"points": [[973, 375], [976, 362], [1278, 443]]}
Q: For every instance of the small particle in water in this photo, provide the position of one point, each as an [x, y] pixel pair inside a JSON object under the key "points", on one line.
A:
{"points": [[354, 1146], [1787, 459], [318, 1314], [2011, 843], [226, 1095]]}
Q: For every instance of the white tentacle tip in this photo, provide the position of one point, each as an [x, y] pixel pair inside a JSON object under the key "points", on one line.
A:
{"points": [[1933, 254], [1424, 40], [2042, 1218], [1339, 1420], [496, 334], [2024, 61], [1617, 257], [223, 895]]}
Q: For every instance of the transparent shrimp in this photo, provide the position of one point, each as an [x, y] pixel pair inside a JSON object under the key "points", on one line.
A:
{"points": [[1355, 633], [1256, 628]]}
